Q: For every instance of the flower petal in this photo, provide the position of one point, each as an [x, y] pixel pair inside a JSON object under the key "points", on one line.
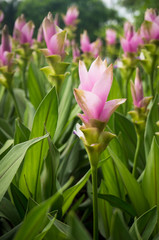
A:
{"points": [[103, 85], [56, 43], [90, 103], [96, 70], [109, 108], [83, 74]]}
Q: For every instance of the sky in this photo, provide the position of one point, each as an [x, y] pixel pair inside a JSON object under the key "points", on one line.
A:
{"points": [[121, 10]]}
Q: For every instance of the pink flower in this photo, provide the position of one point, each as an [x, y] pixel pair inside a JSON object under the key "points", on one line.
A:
{"points": [[70, 19], [137, 92], [110, 36], [151, 16], [5, 48], [93, 92], [23, 31], [96, 47], [132, 39], [85, 42], [54, 36], [1, 16], [150, 28], [75, 51], [40, 35]]}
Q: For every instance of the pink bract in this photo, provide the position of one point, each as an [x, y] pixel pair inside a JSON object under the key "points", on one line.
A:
{"points": [[93, 91]]}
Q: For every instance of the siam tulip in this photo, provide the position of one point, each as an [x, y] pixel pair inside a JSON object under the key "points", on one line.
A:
{"points": [[5, 48], [150, 28], [70, 19], [54, 37], [96, 47], [40, 36], [23, 31], [139, 115], [91, 96], [110, 37], [93, 92], [75, 51], [1, 16], [85, 42], [132, 39], [137, 93]]}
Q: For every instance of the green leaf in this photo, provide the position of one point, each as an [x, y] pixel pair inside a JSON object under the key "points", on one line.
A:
{"points": [[150, 183], [77, 230], [19, 200], [36, 220], [21, 132], [6, 146], [11, 162], [118, 203], [36, 85], [126, 128], [9, 235], [49, 174], [9, 211], [64, 107], [151, 127], [45, 120], [70, 193], [6, 131], [105, 212], [145, 224], [132, 186], [118, 228]]}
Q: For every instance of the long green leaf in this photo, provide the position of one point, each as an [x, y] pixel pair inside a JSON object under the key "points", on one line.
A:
{"points": [[36, 220], [151, 126], [145, 224], [132, 186], [11, 162], [36, 86], [150, 181], [45, 120]]}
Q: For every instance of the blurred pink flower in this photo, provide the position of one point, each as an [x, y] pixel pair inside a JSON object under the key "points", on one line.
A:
{"points": [[40, 36], [93, 92], [132, 39], [75, 51], [70, 19], [150, 28], [54, 36], [137, 92], [110, 36], [1, 16], [85, 42], [23, 31], [96, 47], [5, 48], [151, 16]]}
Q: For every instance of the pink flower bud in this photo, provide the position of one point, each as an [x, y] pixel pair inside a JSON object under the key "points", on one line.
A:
{"points": [[54, 36], [70, 19], [96, 47], [85, 42], [40, 35], [132, 39], [150, 28], [137, 92], [23, 31], [93, 92], [110, 36], [5, 47]]}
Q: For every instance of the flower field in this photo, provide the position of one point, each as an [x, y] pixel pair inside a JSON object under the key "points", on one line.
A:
{"points": [[79, 131]]}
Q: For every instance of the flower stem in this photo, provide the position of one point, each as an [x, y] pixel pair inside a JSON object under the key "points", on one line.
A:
{"points": [[15, 102], [95, 203], [126, 89], [136, 155]]}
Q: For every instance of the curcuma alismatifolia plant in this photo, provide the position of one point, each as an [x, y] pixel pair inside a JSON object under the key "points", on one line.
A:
{"points": [[102, 184]]}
